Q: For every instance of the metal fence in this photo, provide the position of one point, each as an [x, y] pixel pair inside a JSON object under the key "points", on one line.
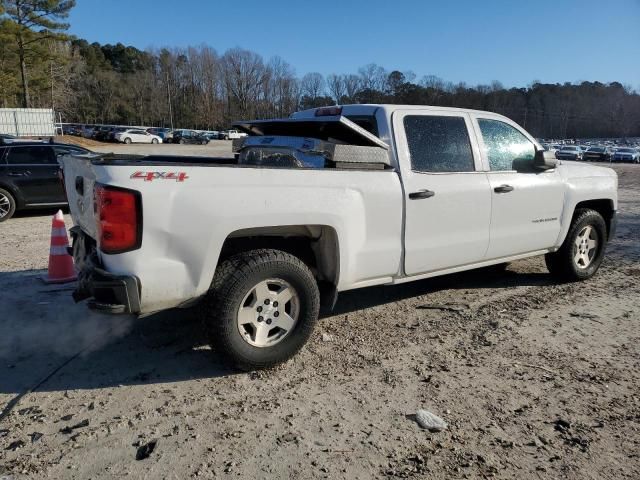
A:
{"points": [[27, 122]]}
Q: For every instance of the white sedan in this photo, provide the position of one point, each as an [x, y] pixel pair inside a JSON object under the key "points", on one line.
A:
{"points": [[134, 135]]}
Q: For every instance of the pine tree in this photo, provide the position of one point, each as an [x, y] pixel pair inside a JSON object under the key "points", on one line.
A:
{"points": [[29, 23]]}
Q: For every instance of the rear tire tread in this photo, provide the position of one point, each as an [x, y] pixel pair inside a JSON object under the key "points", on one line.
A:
{"points": [[227, 287]]}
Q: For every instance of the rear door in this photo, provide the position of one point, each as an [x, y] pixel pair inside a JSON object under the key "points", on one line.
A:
{"points": [[35, 172], [447, 195], [526, 202]]}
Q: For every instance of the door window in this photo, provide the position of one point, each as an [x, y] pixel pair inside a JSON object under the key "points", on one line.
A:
{"points": [[505, 147], [31, 155], [438, 143]]}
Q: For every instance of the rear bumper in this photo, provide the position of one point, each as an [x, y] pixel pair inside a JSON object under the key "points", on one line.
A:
{"points": [[106, 292]]}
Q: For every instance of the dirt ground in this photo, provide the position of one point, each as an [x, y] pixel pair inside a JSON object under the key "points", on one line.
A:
{"points": [[535, 379]]}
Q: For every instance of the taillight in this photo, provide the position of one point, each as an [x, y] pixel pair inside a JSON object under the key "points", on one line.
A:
{"points": [[119, 216], [328, 111]]}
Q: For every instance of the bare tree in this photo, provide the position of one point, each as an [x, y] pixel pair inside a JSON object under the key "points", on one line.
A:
{"points": [[373, 77], [312, 85], [337, 87], [352, 85], [243, 72]]}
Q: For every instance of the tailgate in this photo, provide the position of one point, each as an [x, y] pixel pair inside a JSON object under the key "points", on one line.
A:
{"points": [[79, 179]]}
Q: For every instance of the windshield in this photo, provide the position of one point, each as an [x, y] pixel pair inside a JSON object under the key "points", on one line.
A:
{"points": [[596, 149], [569, 148], [625, 150]]}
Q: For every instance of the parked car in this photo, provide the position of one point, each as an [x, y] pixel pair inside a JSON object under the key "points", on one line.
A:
{"points": [[240, 242], [70, 129], [29, 175], [569, 152], [136, 135], [102, 133], [160, 132], [111, 137], [624, 154], [88, 131], [190, 137], [597, 154], [212, 135], [231, 134]]}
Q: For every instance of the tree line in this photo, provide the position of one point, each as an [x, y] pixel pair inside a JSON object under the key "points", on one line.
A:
{"points": [[197, 87]]}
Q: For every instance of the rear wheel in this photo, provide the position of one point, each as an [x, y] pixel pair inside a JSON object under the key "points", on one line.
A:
{"points": [[582, 252], [154, 140], [127, 140], [262, 308], [181, 141], [7, 205]]}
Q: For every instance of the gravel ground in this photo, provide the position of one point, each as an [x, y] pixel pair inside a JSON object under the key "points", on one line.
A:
{"points": [[535, 379]]}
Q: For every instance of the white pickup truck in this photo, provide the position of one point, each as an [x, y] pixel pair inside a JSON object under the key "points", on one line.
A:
{"points": [[258, 240]]}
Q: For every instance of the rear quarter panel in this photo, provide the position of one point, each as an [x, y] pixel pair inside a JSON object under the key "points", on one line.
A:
{"points": [[186, 223]]}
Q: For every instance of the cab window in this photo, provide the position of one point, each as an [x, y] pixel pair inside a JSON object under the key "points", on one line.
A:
{"points": [[438, 144], [505, 147]]}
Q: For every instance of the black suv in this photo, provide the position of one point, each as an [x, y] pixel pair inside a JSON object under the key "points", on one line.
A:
{"points": [[30, 175], [189, 136]]}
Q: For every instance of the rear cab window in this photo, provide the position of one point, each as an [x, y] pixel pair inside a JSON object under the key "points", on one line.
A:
{"points": [[438, 144]]}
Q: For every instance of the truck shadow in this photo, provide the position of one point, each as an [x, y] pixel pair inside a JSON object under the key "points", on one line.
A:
{"points": [[49, 343], [490, 277]]}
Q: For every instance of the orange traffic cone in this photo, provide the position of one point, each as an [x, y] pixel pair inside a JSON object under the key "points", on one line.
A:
{"points": [[60, 262]]}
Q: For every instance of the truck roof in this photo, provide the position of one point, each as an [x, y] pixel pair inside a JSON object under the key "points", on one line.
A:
{"points": [[371, 109]]}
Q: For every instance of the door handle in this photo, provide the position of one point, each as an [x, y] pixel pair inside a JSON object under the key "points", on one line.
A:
{"points": [[16, 174], [503, 189], [420, 194]]}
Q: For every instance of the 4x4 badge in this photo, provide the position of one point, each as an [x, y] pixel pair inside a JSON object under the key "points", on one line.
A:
{"points": [[150, 176]]}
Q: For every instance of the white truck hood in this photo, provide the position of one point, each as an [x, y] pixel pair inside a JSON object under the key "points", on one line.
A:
{"points": [[584, 170]]}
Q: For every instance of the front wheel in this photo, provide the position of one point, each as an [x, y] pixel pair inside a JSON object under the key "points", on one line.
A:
{"points": [[127, 140], [181, 142], [154, 141], [262, 308], [582, 252]]}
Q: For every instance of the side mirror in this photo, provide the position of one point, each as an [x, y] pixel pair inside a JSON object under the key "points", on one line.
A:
{"points": [[544, 160]]}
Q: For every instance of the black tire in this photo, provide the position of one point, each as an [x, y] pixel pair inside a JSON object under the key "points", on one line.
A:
{"points": [[154, 140], [562, 265], [7, 197], [127, 140], [181, 141], [233, 281]]}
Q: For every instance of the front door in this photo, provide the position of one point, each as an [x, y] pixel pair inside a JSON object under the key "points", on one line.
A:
{"points": [[447, 195], [526, 203]]}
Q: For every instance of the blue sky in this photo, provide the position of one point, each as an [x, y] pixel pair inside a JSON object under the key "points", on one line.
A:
{"points": [[514, 41]]}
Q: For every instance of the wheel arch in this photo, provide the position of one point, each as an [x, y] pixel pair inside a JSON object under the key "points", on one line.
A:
{"points": [[15, 192], [603, 206], [316, 245]]}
